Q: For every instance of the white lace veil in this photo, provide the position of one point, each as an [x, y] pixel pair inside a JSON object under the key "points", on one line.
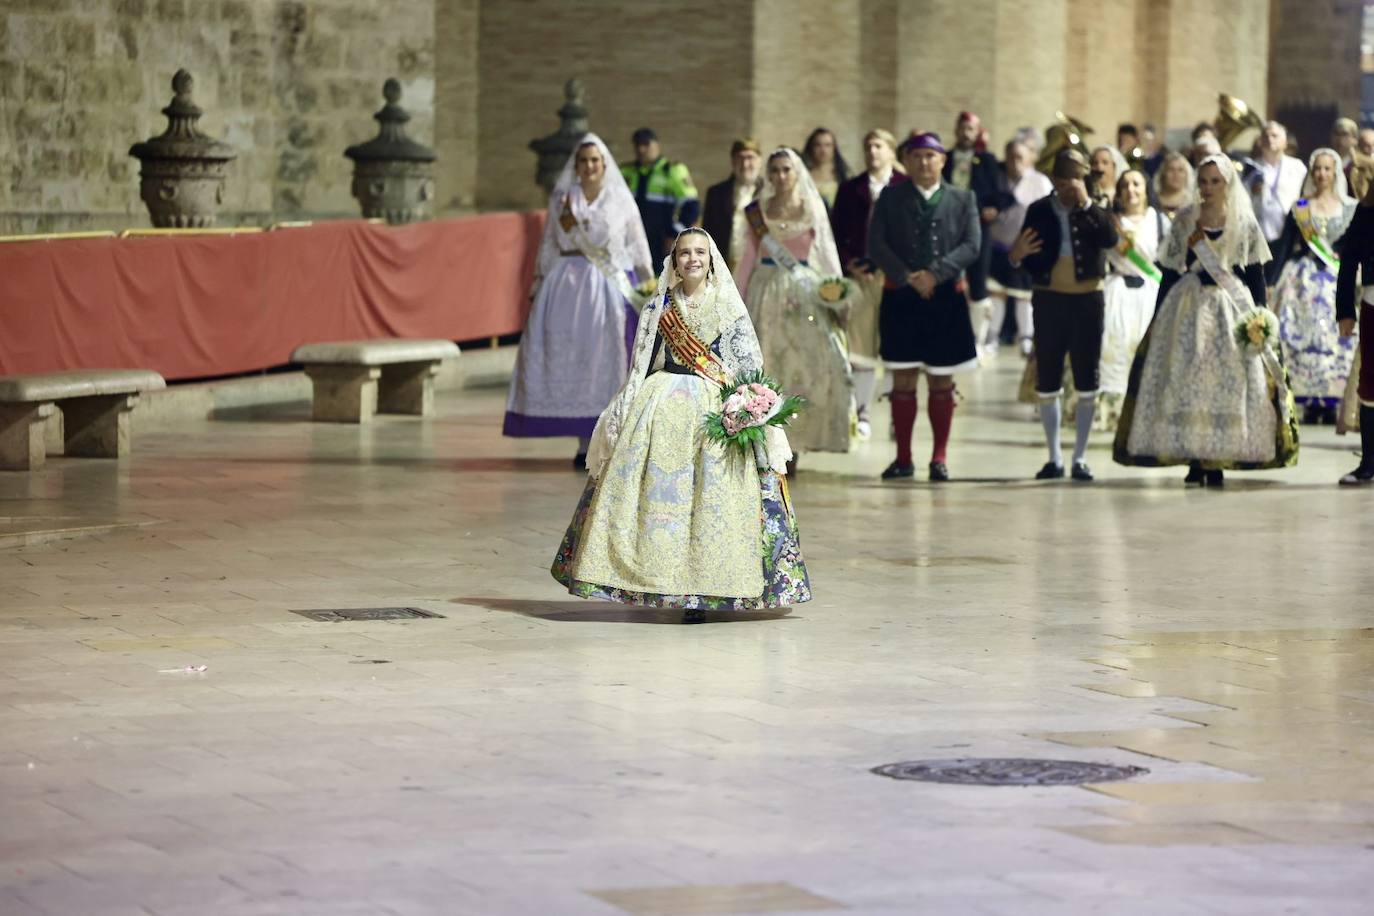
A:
{"points": [[825, 257], [628, 247], [1241, 242], [738, 350], [1309, 187]]}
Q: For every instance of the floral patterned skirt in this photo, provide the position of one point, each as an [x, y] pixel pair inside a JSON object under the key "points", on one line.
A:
{"points": [[785, 581], [1318, 359]]}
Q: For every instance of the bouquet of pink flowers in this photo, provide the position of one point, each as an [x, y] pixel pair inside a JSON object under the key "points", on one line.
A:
{"points": [[754, 402]]}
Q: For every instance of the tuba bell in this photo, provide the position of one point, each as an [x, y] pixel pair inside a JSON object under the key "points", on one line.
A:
{"points": [[1234, 118], [1065, 133]]}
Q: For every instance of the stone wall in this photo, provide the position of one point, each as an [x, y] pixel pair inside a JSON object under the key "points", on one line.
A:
{"points": [[1314, 64], [292, 82], [289, 83], [684, 71]]}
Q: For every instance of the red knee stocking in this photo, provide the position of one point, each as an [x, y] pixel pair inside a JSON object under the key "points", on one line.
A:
{"points": [[941, 412], [903, 420]]}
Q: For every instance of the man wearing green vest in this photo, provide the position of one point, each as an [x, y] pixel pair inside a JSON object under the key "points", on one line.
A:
{"points": [[667, 199]]}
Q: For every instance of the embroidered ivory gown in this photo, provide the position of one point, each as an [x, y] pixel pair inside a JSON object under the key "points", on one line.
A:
{"points": [[803, 344], [671, 519]]}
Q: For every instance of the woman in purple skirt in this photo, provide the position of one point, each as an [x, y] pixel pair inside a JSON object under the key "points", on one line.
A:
{"points": [[574, 352]]}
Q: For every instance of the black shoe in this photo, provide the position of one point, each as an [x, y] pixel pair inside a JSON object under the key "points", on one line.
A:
{"points": [[1216, 478], [1359, 477], [1050, 471], [1080, 471], [695, 615], [938, 471], [580, 461], [1195, 476], [895, 471]]}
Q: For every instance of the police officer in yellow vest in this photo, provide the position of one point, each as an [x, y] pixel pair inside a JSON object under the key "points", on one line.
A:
{"points": [[667, 199]]}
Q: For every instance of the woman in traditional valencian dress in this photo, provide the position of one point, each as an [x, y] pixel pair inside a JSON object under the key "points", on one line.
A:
{"points": [[1172, 187], [1196, 396], [670, 518], [1129, 293], [1317, 357], [574, 350], [790, 243]]}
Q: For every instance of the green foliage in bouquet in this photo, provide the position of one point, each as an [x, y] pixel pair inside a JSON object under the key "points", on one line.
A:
{"points": [[753, 402]]}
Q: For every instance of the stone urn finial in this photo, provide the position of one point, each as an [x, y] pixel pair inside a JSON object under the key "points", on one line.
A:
{"points": [[553, 151], [182, 180], [392, 174]]}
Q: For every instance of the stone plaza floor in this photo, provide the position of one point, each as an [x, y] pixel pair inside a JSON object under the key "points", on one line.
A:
{"points": [[529, 753]]}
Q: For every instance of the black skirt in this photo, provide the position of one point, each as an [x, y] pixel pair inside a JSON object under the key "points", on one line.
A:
{"points": [[934, 334]]}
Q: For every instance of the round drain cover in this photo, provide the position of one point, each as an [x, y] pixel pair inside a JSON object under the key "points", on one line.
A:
{"points": [[1008, 771]]}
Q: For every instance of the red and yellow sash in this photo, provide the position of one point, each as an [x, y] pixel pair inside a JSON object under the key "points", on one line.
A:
{"points": [[689, 350]]}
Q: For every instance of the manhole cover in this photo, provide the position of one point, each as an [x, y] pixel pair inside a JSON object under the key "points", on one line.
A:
{"points": [[339, 614], [1008, 771]]}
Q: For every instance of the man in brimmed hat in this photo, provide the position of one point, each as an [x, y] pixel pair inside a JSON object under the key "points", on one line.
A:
{"points": [[723, 215], [925, 234], [664, 191], [1063, 244]]}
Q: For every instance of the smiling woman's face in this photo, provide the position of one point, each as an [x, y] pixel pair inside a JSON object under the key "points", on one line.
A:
{"points": [[692, 256]]}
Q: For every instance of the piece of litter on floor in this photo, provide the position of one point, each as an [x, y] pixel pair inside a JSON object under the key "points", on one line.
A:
{"points": [[189, 669]]}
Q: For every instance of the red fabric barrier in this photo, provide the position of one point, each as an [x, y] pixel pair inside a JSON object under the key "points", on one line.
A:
{"points": [[199, 306]]}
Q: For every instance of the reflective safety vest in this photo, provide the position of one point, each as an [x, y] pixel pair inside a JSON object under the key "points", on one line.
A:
{"points": [[667, 200]]}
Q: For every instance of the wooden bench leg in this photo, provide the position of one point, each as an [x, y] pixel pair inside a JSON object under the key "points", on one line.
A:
{"points": [[23, 431], [97, 427], [407, 388], [344, 394]]}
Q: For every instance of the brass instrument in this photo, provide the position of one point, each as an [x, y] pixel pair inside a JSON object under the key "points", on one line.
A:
{"points": [[1234, 119], [1066, 133]]}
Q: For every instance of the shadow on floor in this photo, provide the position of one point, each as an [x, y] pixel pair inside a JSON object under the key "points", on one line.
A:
{"points": [[574, 611], [515, 465]]}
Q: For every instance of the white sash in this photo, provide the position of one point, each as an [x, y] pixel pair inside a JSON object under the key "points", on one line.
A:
{"points": [[1236, 295]]}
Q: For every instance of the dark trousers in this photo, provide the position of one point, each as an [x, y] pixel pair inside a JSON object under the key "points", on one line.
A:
{"points": [[1067, 324], [1366, 385]]}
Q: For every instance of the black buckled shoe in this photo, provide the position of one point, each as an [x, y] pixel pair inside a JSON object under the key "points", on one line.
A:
{"points": [[1359, 477], [1195, 476], [1081, 472], [1050, 471], [939, 471], [1215, 478], [897, 471]]}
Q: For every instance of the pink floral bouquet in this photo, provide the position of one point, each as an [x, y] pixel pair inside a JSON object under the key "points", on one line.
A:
{"points": [[753, 403]]}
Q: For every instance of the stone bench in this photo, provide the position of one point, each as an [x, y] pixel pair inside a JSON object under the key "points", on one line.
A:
{"points": [[355, 379], [82, 414]]}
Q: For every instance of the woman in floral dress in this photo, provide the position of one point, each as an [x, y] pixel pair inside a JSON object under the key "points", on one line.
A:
{"points": [[670, 518], [1317, 357]]}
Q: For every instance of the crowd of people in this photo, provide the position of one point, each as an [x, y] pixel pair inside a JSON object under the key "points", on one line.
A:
{"points": [[1199, 305]]}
